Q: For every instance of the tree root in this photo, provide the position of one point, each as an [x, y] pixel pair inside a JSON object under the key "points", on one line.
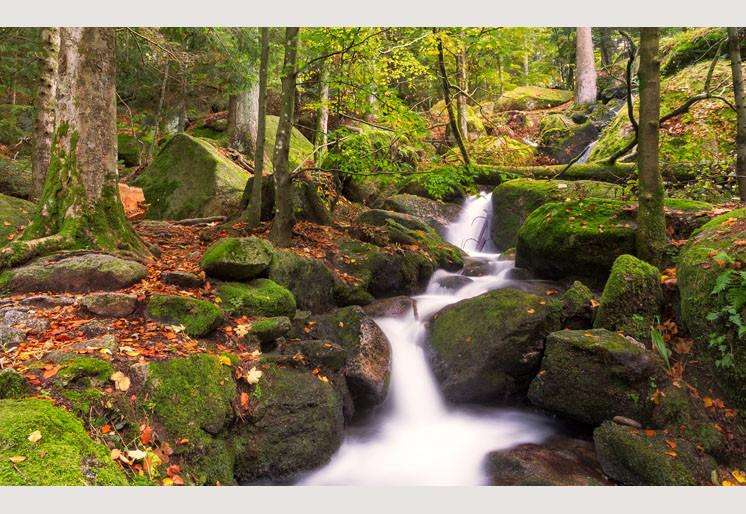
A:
{"points": [[20, 252]]}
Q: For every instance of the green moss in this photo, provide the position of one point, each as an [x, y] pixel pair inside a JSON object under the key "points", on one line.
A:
{"points": [[576, 305], [301, 149], [310, 281], [16, 123], [15, 177], [631, 299], [65, 455], [619, 173], [78, 369], [514, 200], [260, 297], [129, 149], [691, 46], [14, 213], [83, 401], [269, 329], [199, 317], [237, 258], [529, 98], [12, 384]]}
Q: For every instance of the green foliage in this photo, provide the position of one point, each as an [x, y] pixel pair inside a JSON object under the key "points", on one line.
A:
{"points": [[660, 345], [730, 290]]}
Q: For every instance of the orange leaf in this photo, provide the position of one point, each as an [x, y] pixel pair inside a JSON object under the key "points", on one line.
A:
{"points": [[49, 373], [671, 443], [146, 435], [244, 400], [649, 432]]}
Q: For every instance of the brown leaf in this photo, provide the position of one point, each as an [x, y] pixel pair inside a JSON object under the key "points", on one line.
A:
{"points": [[146, 435]]}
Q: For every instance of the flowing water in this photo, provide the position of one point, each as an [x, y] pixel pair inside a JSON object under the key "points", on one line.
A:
{"points": [[416, 438]]}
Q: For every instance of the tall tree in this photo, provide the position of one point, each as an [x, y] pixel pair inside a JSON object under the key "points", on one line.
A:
{"points": [[46, 102], [606, 45], [253, 212], [320, 139], [80, 205], [463, 86], [651, 222], [446, 91], [738, 90], [282, 227], [243, 118], [159, 112], [585, 88]]}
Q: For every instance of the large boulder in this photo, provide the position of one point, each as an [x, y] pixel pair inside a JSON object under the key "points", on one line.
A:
{"points": [[65, 454], [636, 457], [564, 136], [691, 46], [368, 367], [198, 317], [237, 258], [13, 384], [14, 214], [15, 177], [190, 178], [495, 358], [631, 298], [711, 292], [594, 375], [435, 213], [191, 399], [295, 425], [310, 281], [75, 273], [530, 98], [560, 461], [260, 297], [514, 200]]}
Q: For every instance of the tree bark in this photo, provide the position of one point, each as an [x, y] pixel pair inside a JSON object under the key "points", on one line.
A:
{"points": [[243, 114], [159, 113], [461, 96], [606, 45], [322, 114], [183, 118], [253, 212], [738, 90], [80, 205], [651, 224], [46, 102], [500, 85], [446, 89], [282, 227], [585, 89]]}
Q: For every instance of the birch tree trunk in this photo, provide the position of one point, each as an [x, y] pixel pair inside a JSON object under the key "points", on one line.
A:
{"points": [[738, 90], [282, 227], [585, 89], [651, 223], [461, 97], [253, 212], [322, 114], [80, 205], [46, 102]]}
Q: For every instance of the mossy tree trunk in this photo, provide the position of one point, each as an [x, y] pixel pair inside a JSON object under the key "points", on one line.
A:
{"points": [[322, 114], [446, 90], [651, 223], [46, 101], [606, 45], [253, 212], [585, 87], [738, 90], [243, 114], [461, 77], [80, 205], [282, 226]]}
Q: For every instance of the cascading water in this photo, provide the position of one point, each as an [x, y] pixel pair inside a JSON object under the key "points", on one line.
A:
{"points": [[416, 438]]}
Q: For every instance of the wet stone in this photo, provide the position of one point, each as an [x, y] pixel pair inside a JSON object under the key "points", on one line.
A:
{"points": [[182, 279]]}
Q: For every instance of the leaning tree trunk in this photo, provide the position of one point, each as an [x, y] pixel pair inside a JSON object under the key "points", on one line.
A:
{"points": [[253, 213], [461, 96], [282, 227], [446, 89], [585, 90], [738, 90], [80, 205], [651, 223], [322, 114], [46, 102]]}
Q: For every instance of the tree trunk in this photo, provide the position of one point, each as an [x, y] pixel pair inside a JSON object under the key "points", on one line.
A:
{"points": [[243, 114], [159, 114], [46, 102], [80, 205], [282, 227], [322, 114], [738, 90], [606, 45], [253, 213], [461, 96], [651, 223], [585, 90], [500, 85], [182, 123], [446, 89]]}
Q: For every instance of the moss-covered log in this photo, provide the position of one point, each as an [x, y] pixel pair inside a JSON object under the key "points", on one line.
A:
{"points": [[617, 174]]}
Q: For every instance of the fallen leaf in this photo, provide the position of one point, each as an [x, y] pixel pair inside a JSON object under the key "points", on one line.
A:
{"points": [[136, 454], [34, 436], [106, 429], [671, 443], [17, 459], [225, 360], [671, 453], [177, 480], [121, 381], [49, 373], [241, 330], [727, 483], [168, 482], [649, 432], [253, 376], [244, 400], [146, 435], [739, 475]]}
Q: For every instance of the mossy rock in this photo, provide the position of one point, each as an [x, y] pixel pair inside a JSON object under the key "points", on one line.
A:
{"points": [[296, 425], [14, 214], [190, 178], [191, 399], [632, 457], [577, 308], [494, 359], [76, 273], [237, 258], [198, 317], [15, 177], [696, 143], [310, 281], [129, 150], [368, 367], [260, 297], [698, 272], [514, 200], [495, 151], [65, 454], [12, 384], [593, 375], [631, 299], [16, 123], [269, 329], [691, 46], [531, 98], [561, 139], [82, 369], [435, 213], [301, 149]]}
